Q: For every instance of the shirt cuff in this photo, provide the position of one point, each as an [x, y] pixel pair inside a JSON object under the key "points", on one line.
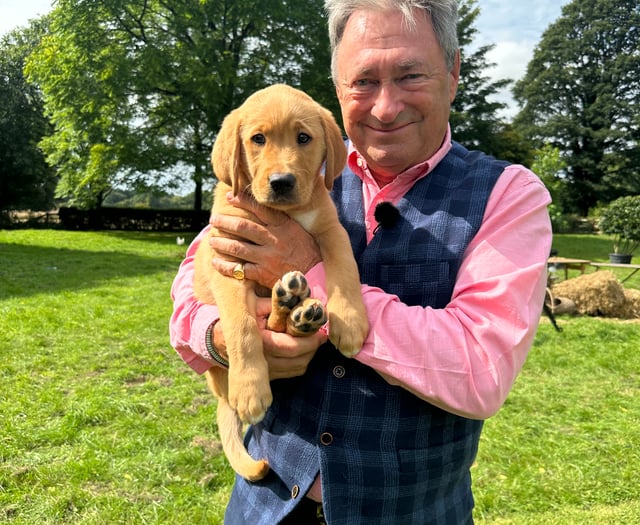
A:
{"points": [[199, 358]]}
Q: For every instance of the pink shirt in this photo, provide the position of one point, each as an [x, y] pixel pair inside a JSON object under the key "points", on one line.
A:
{"points": [[462, 358]]}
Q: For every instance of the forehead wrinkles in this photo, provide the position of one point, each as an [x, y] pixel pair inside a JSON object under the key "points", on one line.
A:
{"points": [[400, 66], [366, 48]]}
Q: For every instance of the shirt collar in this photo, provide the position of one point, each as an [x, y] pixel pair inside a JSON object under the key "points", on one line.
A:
{"points": [[358, 164]]}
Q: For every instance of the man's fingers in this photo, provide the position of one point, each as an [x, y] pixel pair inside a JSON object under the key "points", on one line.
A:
{"points": [[286, 346], [263, 306], [264, 214], [229, 268], [246, 229], [232, 249]]}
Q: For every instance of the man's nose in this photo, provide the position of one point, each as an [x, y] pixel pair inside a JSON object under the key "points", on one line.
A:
{"points": [[388, 102]]}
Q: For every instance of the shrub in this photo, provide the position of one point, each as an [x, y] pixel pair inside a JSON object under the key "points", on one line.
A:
{"points": [[621, 218]]}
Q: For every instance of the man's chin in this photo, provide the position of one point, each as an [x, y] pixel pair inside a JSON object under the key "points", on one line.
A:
{"points": [[387, 158]]}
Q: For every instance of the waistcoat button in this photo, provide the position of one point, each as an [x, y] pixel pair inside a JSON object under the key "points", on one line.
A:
{"points": [[339, 372], [326, 438], [295, 490]]}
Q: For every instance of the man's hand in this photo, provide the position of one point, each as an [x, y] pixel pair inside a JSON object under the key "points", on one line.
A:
{"points": [[286, 355], [271, 248]]}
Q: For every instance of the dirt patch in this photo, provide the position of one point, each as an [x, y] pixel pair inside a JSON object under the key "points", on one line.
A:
{"points": [[600, 294]]}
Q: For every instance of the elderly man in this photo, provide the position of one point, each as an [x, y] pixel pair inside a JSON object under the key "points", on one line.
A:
{"points": [[453, 272]]}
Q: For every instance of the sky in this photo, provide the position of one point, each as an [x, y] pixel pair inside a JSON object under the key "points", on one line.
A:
{"points": [[513, 27]]}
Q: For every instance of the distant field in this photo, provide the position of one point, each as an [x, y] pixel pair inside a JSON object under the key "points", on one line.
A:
{"points": [[102, 423]]}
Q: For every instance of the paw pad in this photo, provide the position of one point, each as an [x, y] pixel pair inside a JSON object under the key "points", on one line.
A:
{"points": [[291, 290], [308, 317]]}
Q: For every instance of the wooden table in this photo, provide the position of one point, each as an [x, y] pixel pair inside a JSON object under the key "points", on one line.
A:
{"points": [[634, 267], [568, 263]]}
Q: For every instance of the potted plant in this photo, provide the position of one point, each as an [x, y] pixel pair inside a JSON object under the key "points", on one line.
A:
{"points": [[621, 218]]}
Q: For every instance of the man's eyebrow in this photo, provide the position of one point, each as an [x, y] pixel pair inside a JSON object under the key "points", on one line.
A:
{"points": [[404, 65], [408, 64], [364, 71]]}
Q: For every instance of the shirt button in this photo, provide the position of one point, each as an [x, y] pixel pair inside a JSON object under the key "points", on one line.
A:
{"points": [[339, 372], [326, 438], [295, 491]]}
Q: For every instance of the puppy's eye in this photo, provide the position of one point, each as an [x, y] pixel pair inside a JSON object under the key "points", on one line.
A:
{"points": [[303, 138], [259, 139]]}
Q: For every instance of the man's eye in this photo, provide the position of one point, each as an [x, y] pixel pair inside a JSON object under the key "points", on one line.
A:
{"points": [[259, 139], [303, 138], [414, 80]]}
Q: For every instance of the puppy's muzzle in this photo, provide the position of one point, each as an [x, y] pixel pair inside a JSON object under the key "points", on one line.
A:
{"points": [[282, 184]]}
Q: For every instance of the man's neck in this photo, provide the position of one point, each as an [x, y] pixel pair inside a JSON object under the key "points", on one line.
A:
{"points": [[382, 179]]}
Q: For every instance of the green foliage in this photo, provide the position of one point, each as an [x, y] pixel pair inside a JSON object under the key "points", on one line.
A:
{"points": [[152, 198], [103, 423], [26, 182], [549, 166], [580, 95], [621, 218], [137, 88], [474, 120]]}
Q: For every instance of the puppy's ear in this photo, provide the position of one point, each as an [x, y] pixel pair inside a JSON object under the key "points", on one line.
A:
{"points": [[336, 148], [227, 156]]}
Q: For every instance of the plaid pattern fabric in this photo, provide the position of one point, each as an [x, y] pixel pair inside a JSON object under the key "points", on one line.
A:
{"points": [[418, 259], [386, 457]]}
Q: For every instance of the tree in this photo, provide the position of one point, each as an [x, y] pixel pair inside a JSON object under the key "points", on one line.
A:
{"points": [[474, 119], [137, 88], [550, 167], [26, 182], [580, 95]]}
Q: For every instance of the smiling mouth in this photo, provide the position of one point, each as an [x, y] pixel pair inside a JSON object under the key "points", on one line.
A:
{"points": [[389, 129]]}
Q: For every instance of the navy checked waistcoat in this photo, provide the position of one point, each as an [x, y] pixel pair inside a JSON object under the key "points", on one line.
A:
{"points": [[386, 457]]}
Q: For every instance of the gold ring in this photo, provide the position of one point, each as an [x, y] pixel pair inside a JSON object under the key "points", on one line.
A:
{"points": [[238, 271]]}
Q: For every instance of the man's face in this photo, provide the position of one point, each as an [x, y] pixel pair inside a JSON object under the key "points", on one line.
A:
{"points": [[394, 89]]}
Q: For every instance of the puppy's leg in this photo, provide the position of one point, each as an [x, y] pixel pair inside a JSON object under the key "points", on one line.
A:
{"points": [[348, 323], [230, 429], [249, 390]]}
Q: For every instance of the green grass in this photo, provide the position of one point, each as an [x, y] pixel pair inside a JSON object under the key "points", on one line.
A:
{"points": [[565, 447], [102, 423], [595, 248]]}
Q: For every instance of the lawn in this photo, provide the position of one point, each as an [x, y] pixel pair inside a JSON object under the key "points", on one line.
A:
{"points": [[101, 422]]}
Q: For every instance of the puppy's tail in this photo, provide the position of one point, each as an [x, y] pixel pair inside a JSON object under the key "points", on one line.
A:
{"points": [[230, 429]]}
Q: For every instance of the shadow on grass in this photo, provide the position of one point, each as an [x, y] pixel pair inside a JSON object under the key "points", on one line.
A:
{"points": [[29, 270], [148, 236]]}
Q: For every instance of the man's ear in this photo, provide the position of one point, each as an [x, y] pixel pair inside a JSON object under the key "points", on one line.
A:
{"points": [[454, 75]]}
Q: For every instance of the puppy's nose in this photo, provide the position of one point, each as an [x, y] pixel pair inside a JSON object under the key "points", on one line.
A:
{"points": [[282, 183]]}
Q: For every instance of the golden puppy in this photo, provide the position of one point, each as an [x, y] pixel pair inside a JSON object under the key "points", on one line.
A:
{"points": [[274, 147]]}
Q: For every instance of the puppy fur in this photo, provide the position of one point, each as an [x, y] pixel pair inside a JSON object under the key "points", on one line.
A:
{"points": [[274, 146]]}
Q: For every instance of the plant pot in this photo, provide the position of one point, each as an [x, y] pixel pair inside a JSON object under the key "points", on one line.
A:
{"points": [[620, 258]]}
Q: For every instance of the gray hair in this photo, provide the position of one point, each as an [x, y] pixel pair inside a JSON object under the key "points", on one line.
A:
{"points": [[443, 14]]}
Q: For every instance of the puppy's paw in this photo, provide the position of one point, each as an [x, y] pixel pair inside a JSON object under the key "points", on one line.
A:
{"points": [[289, 291], [306, 318], [287, 294], [348, 329], [250, 396]]}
